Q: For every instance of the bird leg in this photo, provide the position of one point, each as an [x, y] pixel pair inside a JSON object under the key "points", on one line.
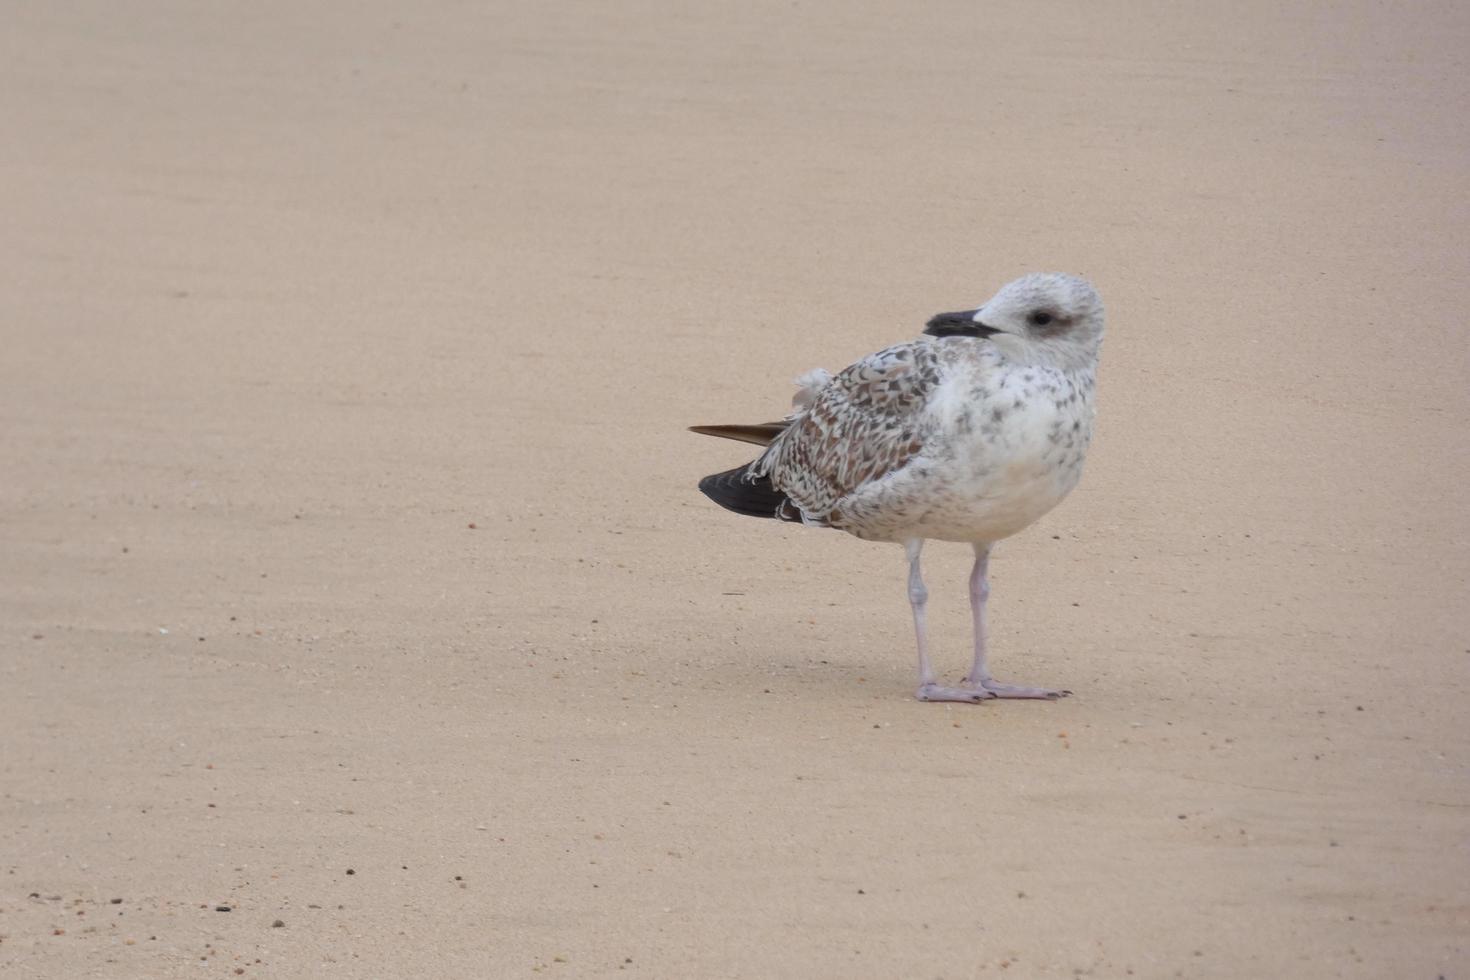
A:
{"points": [[929, 687], [979, 676]]}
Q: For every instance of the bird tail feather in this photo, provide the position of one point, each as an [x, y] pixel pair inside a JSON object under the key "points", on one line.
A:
{"points": [[760, 434]]}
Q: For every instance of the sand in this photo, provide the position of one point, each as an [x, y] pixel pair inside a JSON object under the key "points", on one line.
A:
{"points": [[352, 575]]}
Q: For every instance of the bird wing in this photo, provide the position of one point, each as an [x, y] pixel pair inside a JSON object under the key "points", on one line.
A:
{"points": [[863, 425]]}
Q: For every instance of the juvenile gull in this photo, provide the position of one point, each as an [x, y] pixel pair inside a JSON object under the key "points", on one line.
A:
{"points": [[968, 434]]}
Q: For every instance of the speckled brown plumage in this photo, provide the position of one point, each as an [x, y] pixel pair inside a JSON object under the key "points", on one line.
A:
{"points": [[866, 423]]}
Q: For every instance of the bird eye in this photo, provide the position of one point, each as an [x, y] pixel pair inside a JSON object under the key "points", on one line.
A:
{"points": [[1040, 319]]}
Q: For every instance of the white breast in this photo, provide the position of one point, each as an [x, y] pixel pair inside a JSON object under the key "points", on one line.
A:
{"points": [[1008, 447]]}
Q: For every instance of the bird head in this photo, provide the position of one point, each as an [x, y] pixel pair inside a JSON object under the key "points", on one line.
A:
{"points": [[1052, 308]]}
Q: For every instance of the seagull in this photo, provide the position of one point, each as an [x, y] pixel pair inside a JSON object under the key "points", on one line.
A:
{"points": [[968, 434]]}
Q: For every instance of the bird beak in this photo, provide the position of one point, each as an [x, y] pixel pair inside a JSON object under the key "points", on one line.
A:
{"points": [[961, 324]]}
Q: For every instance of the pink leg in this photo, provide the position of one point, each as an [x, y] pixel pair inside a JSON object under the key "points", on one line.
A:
{"points": [[929, 687], [979, 676]]}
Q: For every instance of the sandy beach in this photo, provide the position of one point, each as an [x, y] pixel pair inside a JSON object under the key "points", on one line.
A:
{"points": [[359, 616]]}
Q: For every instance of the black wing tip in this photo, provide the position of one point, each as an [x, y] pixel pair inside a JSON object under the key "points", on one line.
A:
{"points": [[752, 496]]}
